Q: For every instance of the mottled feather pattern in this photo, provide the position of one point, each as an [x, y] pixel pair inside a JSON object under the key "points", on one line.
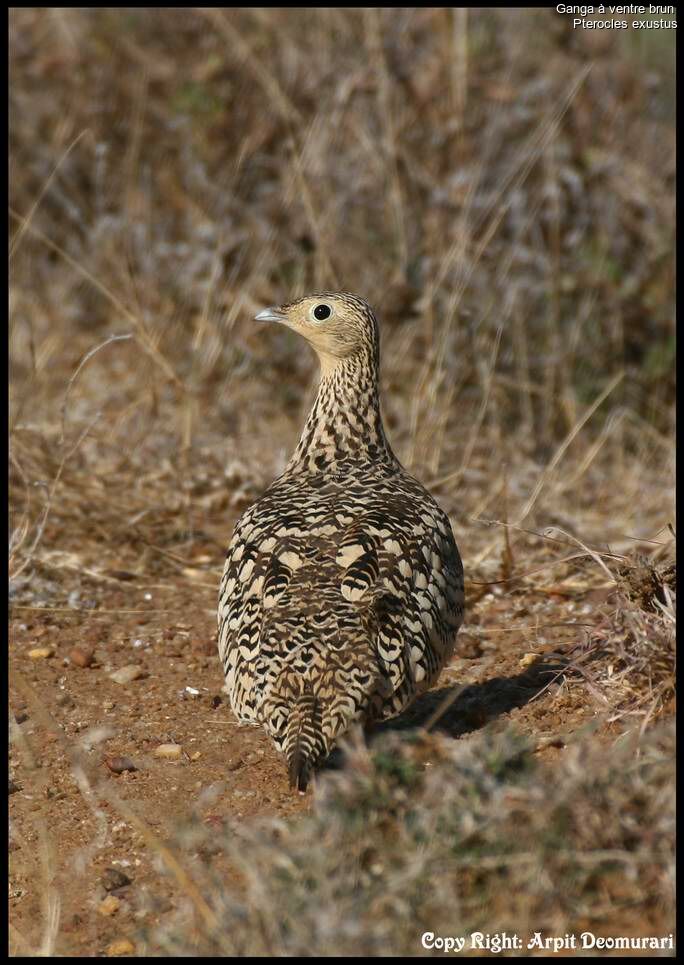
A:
{"points": [[342, 591]]}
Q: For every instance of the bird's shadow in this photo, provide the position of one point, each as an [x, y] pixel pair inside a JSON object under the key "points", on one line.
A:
{"points": [[455, 711]]}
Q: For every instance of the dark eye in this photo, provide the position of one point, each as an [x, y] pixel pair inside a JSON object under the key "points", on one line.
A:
{"points": [[321, 312]]}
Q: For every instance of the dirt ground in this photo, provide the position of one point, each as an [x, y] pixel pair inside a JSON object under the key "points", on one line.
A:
{"points": [[71, 724]]}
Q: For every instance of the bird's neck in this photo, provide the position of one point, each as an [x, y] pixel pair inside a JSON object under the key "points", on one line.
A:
{"points": [[345, 424]]}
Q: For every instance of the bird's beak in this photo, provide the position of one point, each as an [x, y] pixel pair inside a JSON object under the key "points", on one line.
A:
{"points": [[270, 315]]}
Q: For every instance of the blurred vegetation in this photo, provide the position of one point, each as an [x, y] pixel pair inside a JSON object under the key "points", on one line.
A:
{"points": [[464, 170], [424, 835]]}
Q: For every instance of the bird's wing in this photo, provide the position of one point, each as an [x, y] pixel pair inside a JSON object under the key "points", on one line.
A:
{"points": [[269, 558], [408, 580], [241, 605]]}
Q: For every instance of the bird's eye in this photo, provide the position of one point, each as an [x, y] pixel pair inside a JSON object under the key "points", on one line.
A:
{"points": [[321, 312]]}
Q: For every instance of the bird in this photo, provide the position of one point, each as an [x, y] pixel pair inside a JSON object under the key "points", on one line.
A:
{"points": [[342, 591]]}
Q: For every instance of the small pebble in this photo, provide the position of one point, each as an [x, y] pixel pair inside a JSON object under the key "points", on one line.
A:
{"points": [[122, 946], [81, 656], [121, 574], [64, 700], [21, 716], [41, 653], [112, 879], [119, 764], [126, 674], [109, 906], [169, 751]]}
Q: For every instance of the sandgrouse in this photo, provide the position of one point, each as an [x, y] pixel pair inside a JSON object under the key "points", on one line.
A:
{"points": [[342, 591]]}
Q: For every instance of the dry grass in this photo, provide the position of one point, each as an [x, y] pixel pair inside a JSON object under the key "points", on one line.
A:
{"points": [[501, 188], [638, 641], [427, 835]]}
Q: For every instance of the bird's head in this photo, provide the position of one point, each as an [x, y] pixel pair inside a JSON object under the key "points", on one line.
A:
{"points": [[337, 325]]}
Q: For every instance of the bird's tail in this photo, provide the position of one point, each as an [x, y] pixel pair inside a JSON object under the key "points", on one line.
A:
{"points": [[304, 740]]}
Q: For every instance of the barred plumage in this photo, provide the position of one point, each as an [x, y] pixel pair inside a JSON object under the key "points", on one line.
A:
{"points": [[342, 591]]}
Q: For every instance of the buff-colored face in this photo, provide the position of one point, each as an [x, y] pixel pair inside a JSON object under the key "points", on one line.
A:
{"points": [[336, 325]]}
